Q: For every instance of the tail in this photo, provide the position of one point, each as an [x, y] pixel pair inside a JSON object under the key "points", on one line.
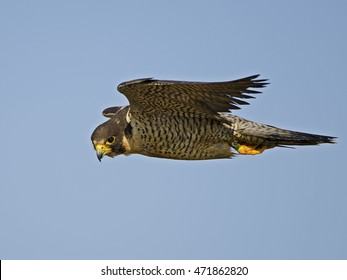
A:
{"points": [[254, 138], [285, 137]]}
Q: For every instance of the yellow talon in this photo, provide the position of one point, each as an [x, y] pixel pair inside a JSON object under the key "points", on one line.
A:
{"points": [[249, 150]]}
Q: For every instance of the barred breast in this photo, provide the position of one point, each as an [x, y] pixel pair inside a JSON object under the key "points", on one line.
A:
{"points": [[181, 137]]}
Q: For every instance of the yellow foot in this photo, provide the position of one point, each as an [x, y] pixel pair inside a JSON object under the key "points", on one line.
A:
{"points": [[249, 150]]}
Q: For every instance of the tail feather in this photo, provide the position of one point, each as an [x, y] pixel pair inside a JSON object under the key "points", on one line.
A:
{"points": [[295, 138], [250, 132]]}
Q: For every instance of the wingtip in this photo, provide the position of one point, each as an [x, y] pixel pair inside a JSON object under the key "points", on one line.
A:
{"points": [[331, 140], [257, 82]]}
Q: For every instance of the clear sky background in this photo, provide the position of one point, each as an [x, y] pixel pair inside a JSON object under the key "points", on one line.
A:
{"points": [[60, 64]]}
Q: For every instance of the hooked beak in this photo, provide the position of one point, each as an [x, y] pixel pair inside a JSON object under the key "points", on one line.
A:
{"points": [[99, 155], [101, 151]]}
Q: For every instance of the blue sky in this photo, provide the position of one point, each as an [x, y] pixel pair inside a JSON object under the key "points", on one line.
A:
{"points": [[60, 64]]}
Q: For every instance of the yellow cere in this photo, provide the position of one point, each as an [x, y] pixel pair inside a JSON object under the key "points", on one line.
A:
{"points": [[102, 148]]}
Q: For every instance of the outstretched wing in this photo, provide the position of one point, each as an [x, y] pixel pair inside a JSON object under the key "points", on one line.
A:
{"points": [[156, 97]]}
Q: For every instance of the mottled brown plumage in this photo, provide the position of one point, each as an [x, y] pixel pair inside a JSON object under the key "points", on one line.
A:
{"points": [[190, 121]]}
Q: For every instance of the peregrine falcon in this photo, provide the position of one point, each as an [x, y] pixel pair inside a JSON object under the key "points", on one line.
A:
{"points": [[190, 121]]}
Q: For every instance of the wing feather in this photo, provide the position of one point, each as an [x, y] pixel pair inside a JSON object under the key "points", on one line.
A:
{"points": [[208, 99]]}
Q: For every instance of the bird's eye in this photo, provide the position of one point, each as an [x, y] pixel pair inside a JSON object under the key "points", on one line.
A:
{"points": [[111, 140]]}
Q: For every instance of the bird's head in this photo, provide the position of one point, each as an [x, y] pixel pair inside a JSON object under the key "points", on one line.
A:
{"points": [[107, 138]]}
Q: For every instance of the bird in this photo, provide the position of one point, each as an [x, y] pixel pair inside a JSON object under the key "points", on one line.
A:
{"points": [[190, 121]]}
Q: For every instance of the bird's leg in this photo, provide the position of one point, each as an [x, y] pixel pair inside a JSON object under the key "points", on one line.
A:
{"points": [[248, 150]]}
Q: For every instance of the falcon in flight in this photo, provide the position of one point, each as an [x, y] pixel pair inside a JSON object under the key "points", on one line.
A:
{"points": [[190, 121]]}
